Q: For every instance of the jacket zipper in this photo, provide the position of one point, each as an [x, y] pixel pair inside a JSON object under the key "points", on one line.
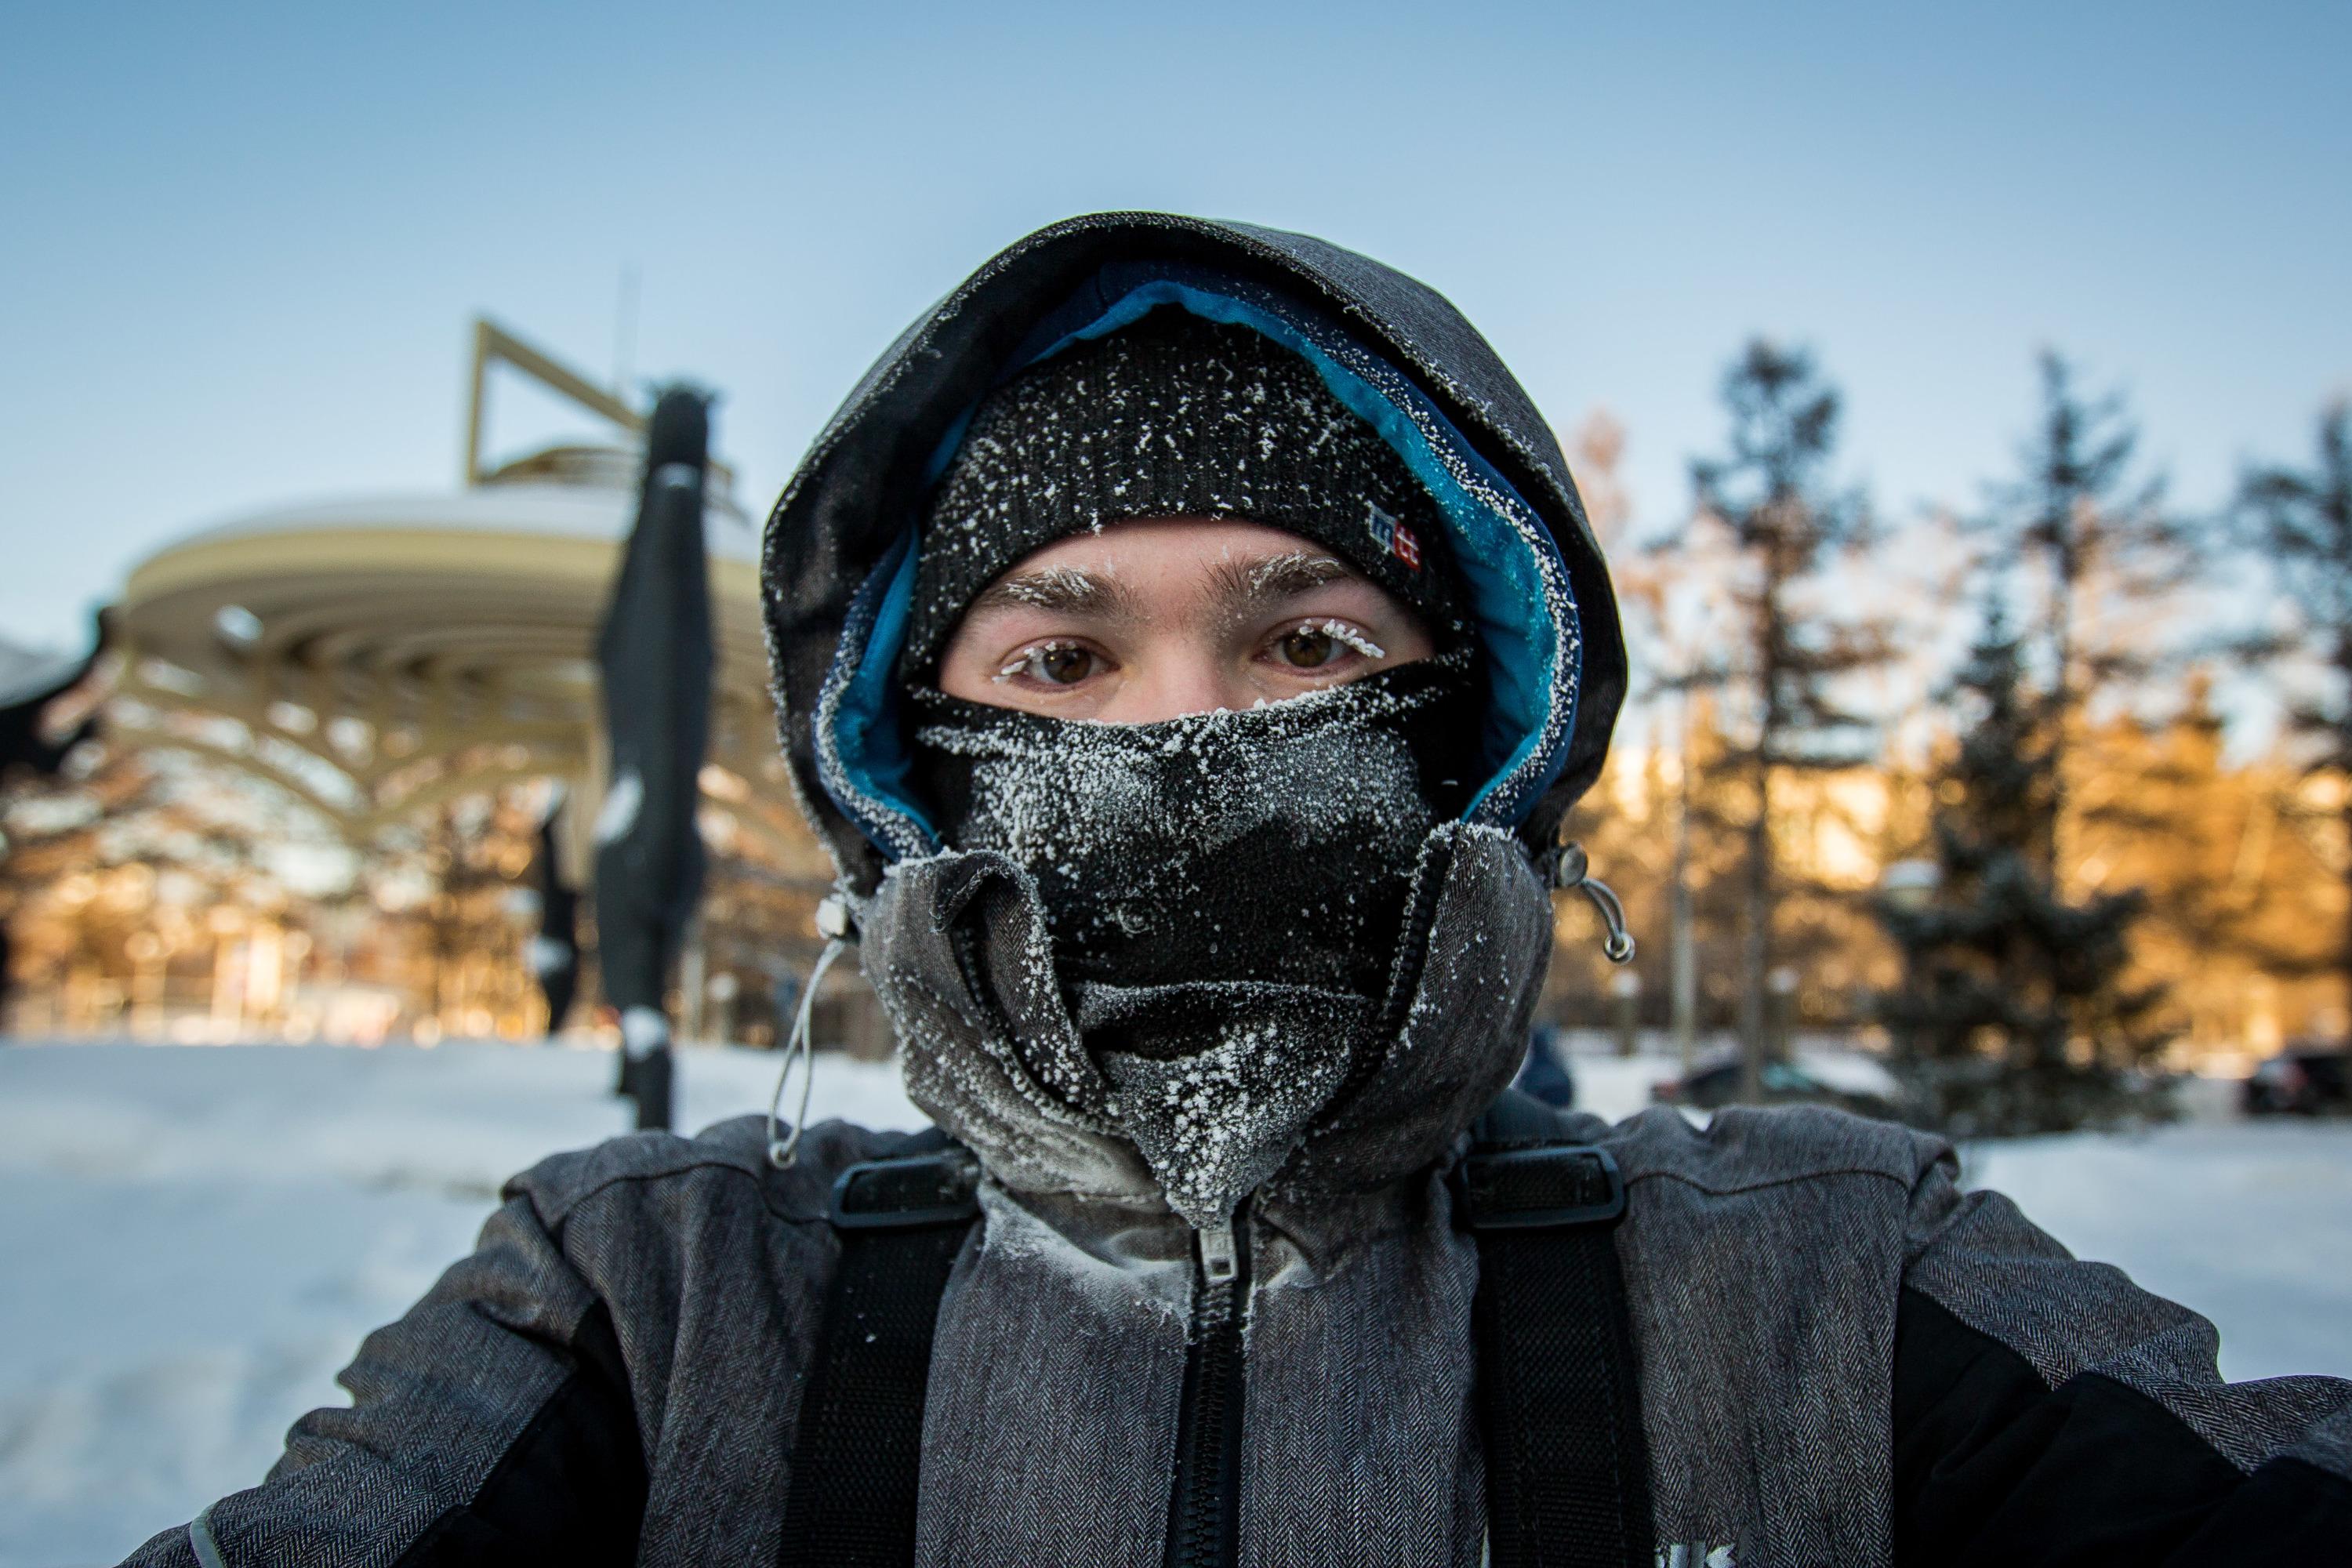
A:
{"points": [[1204, 1512]]}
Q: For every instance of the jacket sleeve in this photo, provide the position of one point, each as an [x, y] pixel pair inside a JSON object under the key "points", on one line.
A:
{"points": [[2048, 1411], [492, 1424]]}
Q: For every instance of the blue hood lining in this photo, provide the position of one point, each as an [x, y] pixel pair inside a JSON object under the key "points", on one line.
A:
{"points": [[863, 757], [1521, 608]]}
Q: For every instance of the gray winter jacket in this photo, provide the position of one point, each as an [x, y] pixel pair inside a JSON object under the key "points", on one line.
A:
{"points": [[1842, 1358]]}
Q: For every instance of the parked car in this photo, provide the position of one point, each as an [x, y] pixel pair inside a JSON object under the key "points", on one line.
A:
{"points": [[2303, 1080], [1850, 1081]]}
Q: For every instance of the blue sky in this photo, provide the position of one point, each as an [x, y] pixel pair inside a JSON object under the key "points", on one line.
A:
{"points": [[239, 245]]}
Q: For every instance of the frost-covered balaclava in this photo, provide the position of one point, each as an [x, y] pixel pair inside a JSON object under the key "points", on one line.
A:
{"points": [[1225, 891]]}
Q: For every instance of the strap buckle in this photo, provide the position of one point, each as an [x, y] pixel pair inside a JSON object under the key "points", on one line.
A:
{"points": [[909, 1191], [1541, 1187]]}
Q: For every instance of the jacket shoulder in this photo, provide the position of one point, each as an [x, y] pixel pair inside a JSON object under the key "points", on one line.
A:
{"points": [[1743, 1148], [730, 1155], [1975, 1256]]}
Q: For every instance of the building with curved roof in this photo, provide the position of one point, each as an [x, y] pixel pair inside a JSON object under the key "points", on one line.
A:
{"points": [[377, 655]]}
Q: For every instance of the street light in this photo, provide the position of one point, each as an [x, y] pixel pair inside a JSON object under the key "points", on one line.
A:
{"points": [[1909, 888], [1782, 985]]}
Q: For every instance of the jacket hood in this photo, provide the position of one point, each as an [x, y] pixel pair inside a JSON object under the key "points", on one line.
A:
{"points": [[837, 562]]}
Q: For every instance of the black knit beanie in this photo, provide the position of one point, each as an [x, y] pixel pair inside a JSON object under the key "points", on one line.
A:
{"points": [[1172, 416]]}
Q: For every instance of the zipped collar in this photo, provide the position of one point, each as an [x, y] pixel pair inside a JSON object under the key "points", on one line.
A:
{"points": [[955, 949]]}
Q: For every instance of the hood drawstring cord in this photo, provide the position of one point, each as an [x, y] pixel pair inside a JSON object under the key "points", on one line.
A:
{"points": [[833, 924], [1569, 867]]}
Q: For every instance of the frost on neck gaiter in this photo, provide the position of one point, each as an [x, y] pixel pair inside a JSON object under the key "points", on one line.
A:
{"points": [[1224, 893], [1217, 1079], [1271, 843]]}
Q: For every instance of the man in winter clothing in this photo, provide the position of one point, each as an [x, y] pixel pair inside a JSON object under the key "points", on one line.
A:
{"points": [[1188, 641]]}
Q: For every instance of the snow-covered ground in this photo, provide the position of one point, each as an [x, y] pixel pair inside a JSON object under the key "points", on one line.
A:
{"points": [[193, 1239]]}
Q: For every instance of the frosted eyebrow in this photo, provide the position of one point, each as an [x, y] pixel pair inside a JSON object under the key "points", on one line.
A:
{"points": [[1239, 588], [1063, 590]]}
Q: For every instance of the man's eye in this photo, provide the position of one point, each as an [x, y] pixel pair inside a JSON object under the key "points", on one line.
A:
{"points": [[1307, 648], [1318, 644], [1056, 664]]}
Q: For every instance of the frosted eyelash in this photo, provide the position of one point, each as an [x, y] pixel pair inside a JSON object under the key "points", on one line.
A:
{"points": [[1028, 656], [1341, 632]]}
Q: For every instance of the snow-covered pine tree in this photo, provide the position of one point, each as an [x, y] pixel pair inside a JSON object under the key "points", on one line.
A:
{"points": [[2299, 522], [2013, 1014], [2098, 558], [1795, 640]]}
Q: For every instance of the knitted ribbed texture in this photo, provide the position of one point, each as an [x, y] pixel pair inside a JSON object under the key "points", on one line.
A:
{"points": [[1171, 416]]}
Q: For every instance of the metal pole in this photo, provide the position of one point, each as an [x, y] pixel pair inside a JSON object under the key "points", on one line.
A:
{"points": [[1683, 974], [1625, 1003]]}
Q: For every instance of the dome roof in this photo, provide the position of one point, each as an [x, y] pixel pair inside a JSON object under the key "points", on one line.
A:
{"points": [[375, 631]]}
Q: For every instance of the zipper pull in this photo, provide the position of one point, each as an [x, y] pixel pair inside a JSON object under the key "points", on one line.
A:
{"points": [[1567, 868], [1219, 1262]]}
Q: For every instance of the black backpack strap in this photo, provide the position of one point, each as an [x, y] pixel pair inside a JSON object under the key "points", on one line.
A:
{"points": [[857, 1452], [1568, 1473]]}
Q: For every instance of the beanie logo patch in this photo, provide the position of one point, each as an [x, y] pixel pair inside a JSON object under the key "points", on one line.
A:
{"points": [[1393, 537]]}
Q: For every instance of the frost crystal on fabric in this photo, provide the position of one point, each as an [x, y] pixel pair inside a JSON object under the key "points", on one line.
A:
{"points": [[955, 949], [1171, 416], [1269, 844], [1224, 894], [1230, 1074]]}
